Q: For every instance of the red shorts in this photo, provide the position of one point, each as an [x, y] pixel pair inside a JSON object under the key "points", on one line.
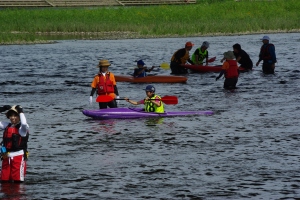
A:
{"points": [[13, 167]]}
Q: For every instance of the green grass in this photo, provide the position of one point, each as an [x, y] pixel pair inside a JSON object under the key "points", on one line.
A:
{"points": [[205, 17]]}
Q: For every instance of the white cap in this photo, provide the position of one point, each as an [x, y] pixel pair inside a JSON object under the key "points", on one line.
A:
{"points": [[265, 38]]}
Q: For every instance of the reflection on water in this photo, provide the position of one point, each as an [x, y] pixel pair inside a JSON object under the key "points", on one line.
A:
{"points": [[13, 191], [248, 149]]}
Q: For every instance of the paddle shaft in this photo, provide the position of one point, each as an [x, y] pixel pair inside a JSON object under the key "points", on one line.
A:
{"points": [[166, 99]]}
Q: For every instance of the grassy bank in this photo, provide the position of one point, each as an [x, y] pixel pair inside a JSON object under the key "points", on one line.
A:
{"points": [[207, 17]]}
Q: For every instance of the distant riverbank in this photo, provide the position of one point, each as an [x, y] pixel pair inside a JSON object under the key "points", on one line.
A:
{"points": [[206, 18]]}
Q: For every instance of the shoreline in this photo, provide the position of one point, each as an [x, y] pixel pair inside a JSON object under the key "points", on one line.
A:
{"points": [[118, 35]]}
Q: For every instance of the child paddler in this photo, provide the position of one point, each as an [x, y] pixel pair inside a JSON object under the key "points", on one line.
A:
{"points": [[152, 102]]}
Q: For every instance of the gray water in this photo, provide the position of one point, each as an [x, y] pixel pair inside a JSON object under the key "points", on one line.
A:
{"points": [[249, 149]]}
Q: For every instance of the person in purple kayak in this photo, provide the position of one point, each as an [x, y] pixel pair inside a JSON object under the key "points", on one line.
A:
{"points": [[152, 101]]}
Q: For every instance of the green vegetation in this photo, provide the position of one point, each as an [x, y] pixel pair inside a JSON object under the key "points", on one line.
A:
{"points": [[207, 17]]}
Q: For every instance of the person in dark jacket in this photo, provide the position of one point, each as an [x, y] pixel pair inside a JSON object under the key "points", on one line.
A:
{"points": [[180, 57], [268, 56], [242, 58]]}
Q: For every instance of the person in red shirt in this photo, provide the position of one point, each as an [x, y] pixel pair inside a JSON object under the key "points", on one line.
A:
{"points": [[105, 84], [230, 71]]}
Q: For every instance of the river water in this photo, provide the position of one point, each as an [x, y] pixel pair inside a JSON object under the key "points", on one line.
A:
{"points": [[249, 149]]}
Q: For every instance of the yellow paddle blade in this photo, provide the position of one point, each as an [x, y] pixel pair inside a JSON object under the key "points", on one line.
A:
{"points": [[165, 65]]}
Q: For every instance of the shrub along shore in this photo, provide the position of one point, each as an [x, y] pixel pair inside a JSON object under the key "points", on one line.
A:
{"points": [[207, 17]]}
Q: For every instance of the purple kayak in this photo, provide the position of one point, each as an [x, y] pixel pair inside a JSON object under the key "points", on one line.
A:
{"points": [[130, 113]]}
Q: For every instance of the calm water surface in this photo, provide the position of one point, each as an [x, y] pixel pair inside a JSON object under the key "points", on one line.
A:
{"points": [[249, 149]]}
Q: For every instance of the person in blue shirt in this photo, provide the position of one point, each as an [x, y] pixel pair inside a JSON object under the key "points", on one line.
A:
{"points": [[267, 54], [141, 69]]}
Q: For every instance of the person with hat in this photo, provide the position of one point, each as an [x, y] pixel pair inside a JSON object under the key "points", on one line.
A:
{"points": [[152, 101], [268, 55], [14, 144], [180, 57], [230, 69], [242, 58], [105, 84], [200, 54], [141, 70]]}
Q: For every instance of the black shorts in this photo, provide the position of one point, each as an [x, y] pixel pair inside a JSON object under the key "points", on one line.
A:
{"points": [[267, 68], [111, 104], [176, 68], [230, 83]]}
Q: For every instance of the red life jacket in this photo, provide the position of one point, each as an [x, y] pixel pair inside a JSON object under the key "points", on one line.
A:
{"points": [[232, 71], [12, 140], [265, 53], [105, 85]]}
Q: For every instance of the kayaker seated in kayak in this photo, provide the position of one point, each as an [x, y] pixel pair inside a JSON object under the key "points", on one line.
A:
{"points": [[200, 54], [230, 69], [152, 102], [180, 57], [242, 58], [141, 69], [105, 84]]}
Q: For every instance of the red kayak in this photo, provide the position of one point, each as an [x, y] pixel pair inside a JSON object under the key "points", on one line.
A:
{"points": [[151, 79], [204, 68]]}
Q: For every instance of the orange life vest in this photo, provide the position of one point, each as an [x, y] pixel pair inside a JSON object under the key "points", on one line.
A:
{"points": [[105, 85], [232, 71]]}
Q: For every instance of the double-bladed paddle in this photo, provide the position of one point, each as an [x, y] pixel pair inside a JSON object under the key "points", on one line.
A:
{"points": [[170, 100]]}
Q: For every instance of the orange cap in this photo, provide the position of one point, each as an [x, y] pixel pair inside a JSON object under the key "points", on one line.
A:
{"points": [[189, 44]]}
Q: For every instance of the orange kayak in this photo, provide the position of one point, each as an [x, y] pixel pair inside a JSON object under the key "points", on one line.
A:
{"points": [[151, 79]]}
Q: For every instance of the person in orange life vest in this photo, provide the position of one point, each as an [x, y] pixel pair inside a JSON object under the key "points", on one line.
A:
{"points": [[105, 84], [242, 58], [230, 69], [140, 71], [14, 145], [152, 102], [180, 57], [267, 54]]}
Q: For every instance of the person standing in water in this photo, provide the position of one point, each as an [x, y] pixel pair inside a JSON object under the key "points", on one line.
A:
{"points": [[230, 69], [242, 58], [180, 57], [105, 84], [14, 144], [268, 56], [200, 54]]}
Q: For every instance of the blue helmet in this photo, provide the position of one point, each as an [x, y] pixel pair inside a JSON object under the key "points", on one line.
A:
{"points": [[141, 62], [150, 88]]}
